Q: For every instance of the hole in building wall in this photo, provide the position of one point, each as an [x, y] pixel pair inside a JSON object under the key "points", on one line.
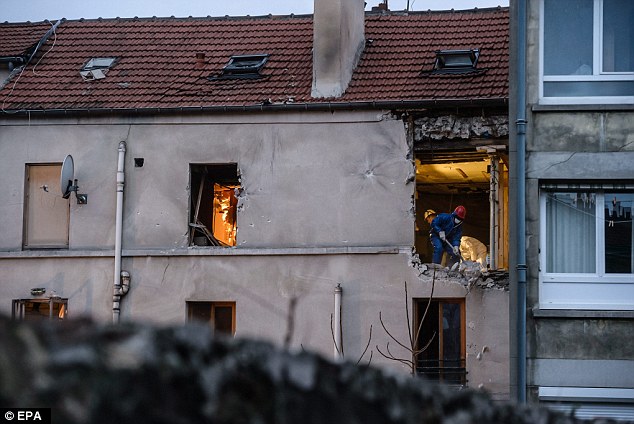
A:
{"points": [[213, 216], [445, 180], [138, 162]]}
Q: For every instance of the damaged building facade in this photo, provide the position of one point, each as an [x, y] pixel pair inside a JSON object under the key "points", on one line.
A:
{"points": [[573, 70], [167, 170]]}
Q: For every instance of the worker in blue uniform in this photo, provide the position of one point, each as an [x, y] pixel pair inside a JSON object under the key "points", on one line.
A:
{"points": [[446, 232]]}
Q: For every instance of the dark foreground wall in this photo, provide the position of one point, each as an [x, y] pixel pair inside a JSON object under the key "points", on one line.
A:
{"points": [[140, 374]]}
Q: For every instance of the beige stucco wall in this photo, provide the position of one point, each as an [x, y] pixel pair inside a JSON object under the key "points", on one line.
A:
{"points": [[327, 200]]}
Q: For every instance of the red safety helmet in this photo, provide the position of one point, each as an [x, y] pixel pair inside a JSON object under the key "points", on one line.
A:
{"points": [[460, 212]]}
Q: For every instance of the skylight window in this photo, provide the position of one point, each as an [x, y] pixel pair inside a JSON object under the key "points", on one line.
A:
{"points": [[243, 66], [96, 68], [456, 61]]}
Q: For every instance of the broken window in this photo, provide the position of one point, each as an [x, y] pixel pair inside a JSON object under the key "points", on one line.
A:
{"points": [[96, 68], [443, 332], [53, 308], [242, 66], [214, 205], [220, 315], [46, 212], [474, 178]]}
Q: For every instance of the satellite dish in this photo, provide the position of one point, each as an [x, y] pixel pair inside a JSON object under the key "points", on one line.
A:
{"points": [[68, 174]]}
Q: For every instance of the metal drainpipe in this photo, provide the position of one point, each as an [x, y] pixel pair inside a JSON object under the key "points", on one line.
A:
{"points": [[118, 289], [338, 348], [521, 200]]}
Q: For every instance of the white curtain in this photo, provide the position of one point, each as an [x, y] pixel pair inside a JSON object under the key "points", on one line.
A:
{"points": [[571, 232]]}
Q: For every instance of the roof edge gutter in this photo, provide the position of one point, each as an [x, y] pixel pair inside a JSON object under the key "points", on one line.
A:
{"points": [[297, 107]]}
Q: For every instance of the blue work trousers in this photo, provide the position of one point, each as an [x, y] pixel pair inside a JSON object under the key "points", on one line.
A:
{"points": [[440, 247]]}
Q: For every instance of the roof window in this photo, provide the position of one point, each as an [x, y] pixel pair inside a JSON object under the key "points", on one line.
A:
{"points": [[243, 66], [456, 61], [96, 68]]}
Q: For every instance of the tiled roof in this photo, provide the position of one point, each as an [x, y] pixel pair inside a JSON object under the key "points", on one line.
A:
{"points": [[156, 61], [16, 39]]}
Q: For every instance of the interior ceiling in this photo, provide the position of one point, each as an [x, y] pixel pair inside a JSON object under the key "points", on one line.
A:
{"points": [[457, 176]]}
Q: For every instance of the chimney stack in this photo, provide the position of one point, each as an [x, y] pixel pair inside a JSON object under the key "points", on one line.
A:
{"points": [[200, 60], [338, 41]]}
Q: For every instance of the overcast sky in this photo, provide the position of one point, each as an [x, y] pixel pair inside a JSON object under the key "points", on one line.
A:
{"points": [[38, 10]]}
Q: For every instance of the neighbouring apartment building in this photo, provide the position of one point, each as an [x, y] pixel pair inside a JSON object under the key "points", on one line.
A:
{"points": [[577, 151], [267, 175]]}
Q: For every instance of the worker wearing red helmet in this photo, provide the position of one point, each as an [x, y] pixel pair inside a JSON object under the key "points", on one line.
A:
{"points": [[446, 232]]}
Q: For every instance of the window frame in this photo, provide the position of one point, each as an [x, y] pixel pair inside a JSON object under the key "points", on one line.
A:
{"points": [[213, 305], [215, 174], [598, 75], [420, 303], [53, 189], [582, 291]]}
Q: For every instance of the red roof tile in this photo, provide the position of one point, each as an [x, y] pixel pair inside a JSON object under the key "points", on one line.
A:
{"points": [[16, 39], [156, 63]]}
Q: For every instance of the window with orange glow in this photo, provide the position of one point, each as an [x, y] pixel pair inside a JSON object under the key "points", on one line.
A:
{"points": [[214, 205]]}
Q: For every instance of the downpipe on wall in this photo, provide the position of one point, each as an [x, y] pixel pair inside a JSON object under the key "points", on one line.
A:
{"points": [[521, 201], [121, 278], [337, 324]]}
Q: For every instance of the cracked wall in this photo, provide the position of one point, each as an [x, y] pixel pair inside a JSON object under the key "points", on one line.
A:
{"points": [[326, 199]]}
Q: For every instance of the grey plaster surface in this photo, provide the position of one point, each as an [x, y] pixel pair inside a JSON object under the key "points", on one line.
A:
{"points": [[327, 199], [580, 373]]}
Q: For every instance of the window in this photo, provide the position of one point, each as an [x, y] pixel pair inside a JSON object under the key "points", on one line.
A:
{"points": [[220, 315], [46, 213], [213, 218], [456, 61], [96, 68], [98, 63], [587, 242], [53, 308], [587, 51], [243, 66], [444, 329]]}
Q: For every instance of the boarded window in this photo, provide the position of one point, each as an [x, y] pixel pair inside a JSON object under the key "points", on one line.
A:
{"points": [[46, 211], [443, 330], [220, 315], [213, 218]]}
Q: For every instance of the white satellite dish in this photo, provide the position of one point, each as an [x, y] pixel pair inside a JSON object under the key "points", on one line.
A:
{"points": [[68, 175], [68, 183]]}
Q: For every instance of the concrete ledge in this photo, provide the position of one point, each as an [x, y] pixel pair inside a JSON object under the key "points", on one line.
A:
{"points": [[583, 108], [208, 251], [576, 313]]}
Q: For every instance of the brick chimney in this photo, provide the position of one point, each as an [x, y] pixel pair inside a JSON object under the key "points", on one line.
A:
{"points": [[338, 40]]}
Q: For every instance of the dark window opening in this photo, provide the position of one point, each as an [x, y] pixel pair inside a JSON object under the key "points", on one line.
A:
{"points": [[456, 61], [443, 330], [214, 205], [220, 315], [243, 66]]}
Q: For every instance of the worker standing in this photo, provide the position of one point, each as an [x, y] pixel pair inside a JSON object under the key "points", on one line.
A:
{"points": [[445, 233]]}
